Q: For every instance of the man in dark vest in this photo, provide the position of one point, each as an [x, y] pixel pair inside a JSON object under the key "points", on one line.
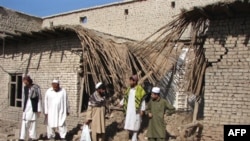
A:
{"points": [[32, 107]]}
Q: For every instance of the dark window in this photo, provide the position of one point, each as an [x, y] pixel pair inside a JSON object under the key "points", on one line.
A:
{"points": [[13, 78], [51, 24], [126, 12], [83, 19], [16, 90], [173, 4]]}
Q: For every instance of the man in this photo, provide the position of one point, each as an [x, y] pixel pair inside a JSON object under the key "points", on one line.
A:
{"points": [[134, 106], [56, 109], [31, 105], [156, 110], [96, 113]]}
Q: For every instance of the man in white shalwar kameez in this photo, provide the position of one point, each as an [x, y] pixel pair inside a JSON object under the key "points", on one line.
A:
{"points": [[31, 105], [56, 109], [134, 106]]}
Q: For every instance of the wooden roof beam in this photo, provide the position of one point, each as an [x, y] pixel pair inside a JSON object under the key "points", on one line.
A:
{"points": [[63, 32], [205, 13], [10, 39], [26, 35], [51, 32], [39, 35], [24, 38], [45, 34]]}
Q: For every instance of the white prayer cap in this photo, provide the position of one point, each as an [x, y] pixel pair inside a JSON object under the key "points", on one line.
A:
{"points": [[98, 85], [55, 81], [156, 90]]}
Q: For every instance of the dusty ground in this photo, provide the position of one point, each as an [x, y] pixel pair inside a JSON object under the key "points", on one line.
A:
{"points": [[114, 131], [7, 130]]}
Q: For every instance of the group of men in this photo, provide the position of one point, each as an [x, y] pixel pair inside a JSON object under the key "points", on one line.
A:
{"points": [[135, 107], [56, 109]]}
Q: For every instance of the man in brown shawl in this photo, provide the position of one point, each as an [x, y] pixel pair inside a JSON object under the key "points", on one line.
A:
{"points": [[96, 113]]}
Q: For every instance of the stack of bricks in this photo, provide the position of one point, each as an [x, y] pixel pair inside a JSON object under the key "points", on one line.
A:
{"points": [[227, 79]]}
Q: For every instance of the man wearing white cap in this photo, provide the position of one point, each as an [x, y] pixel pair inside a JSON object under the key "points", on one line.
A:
{"points": [[156, 110], [56, 109], [134, 106], [96, 113]]}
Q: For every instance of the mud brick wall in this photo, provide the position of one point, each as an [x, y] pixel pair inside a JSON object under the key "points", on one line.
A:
{"points": [[11, 20], [227, 79], [132, 19], [45, 59]]}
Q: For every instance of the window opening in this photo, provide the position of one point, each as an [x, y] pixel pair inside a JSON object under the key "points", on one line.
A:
{"points": [[83, 19], [173, 4], [126, 12], [15, 90], [51, 24]]}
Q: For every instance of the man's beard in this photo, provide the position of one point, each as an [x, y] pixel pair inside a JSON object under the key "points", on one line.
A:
{"points": [[102, 94]]}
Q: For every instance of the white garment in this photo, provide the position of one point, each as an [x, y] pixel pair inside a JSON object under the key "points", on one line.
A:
{"points": [[62, 131], [132, 119], [28, 126], [56, 105], [28, 114], [29, 119], [85, 136], [134, 136]]}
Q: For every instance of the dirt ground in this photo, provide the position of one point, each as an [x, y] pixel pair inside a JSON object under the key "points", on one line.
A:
{"points": [[9, 130]]}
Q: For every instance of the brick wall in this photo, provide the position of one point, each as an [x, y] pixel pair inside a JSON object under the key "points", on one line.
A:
{"points": [[12, 20], [50, 58], [142, 19], [227, 80]]}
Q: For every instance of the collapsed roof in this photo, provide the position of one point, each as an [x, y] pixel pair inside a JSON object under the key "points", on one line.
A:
{"points": [[112, 62], [103, 58]]}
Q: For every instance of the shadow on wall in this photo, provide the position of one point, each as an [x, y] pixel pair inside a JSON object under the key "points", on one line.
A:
{"points": [[232, 28], [168, 86], [200, 114]]}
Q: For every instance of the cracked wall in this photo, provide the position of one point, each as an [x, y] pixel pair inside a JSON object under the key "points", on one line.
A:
{"points": [[227, 79]]}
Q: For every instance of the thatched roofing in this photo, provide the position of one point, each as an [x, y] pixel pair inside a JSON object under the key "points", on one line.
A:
{"points": [[168, 35], [57, 31], [106, 60], [103, 58]]}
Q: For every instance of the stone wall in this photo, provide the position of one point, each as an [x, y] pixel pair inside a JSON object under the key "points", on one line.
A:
{"points": [[227, 79], [12, 20], [44, 59], [133, 19]]}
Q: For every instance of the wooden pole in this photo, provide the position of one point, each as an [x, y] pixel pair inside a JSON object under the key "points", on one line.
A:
{"points": [[196, 109]]}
